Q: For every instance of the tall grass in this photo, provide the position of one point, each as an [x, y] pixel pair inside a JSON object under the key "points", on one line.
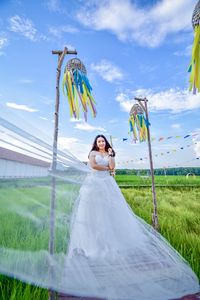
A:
{"points": [[178, 213], [11, 289]]}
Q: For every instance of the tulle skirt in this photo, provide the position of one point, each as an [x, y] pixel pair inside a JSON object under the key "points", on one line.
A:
{"points": [[113, 254]]}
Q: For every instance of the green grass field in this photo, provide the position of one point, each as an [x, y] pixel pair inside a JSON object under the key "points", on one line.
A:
{"points": [[178, 211], [136, 181]]}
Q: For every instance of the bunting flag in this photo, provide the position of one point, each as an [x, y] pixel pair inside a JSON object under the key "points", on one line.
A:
{"points": [[141, 160], [194, 67], [173, 151], [138, 123], [76, 87], [161, 138]]}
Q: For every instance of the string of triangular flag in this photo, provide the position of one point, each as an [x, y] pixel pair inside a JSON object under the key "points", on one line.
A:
{"points": [[162, 138], [160, 154], [180, 164]]}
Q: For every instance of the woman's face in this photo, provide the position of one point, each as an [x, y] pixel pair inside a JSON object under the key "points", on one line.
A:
{"points": [[101, 143]]}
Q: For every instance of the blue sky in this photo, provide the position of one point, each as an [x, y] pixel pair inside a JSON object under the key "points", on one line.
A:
{"points": [[130, 48]]}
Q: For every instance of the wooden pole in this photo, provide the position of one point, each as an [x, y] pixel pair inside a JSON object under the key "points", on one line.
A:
{"points": [[61, 56], [111, 142], [155, 214]]}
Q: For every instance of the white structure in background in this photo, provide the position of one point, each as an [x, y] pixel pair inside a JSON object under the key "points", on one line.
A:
{"points": [[18, 165]]}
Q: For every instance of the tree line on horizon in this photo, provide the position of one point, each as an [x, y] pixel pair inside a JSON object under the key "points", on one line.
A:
{"points": [[181, 171]]}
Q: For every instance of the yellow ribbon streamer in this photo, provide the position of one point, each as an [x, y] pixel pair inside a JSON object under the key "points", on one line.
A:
{"points": [[194, 66]]}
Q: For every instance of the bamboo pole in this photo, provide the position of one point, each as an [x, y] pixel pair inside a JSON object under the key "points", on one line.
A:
{"points": [[61, 56], [155, 214], [111, 142]]}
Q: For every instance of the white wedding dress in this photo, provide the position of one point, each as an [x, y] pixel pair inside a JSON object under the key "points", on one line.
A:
{"points": [[72, 231], [113, 254]]}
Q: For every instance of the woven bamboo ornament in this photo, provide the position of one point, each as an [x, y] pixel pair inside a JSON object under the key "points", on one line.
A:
{"points": [[77, 89], [194, 68], [138, 123]]}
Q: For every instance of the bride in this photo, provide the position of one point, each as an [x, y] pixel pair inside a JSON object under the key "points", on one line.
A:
{"points": [[113, 254]]}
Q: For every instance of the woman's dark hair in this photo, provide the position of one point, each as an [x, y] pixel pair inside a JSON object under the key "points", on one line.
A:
{"points": [[95, 148]]}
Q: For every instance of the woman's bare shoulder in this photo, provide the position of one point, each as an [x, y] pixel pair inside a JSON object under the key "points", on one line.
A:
{"points": [[93, 153]]}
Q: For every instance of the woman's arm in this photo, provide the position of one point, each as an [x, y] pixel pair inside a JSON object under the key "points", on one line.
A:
{"points": [[94, 165], [111, 162]]}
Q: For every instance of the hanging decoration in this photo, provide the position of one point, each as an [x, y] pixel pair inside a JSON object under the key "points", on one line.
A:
{"points": [[194, 68], [76, 86], [138, 123]]}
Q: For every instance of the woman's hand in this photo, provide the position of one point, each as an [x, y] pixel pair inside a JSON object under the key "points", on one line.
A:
{"points": [[110, 151], [111, 160], [112, 172]]}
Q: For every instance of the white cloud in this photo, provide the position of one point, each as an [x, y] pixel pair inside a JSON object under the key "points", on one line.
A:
{"points": [[69, 47], [26, 81], [20, 107], [23, 26], [75, 146], [87, 127], [126, 99], [176, 126], [107, 71], [113, 121], [146, 26], [43, 118], [54, 5], [197, 149], [46, 100], [174, 100], [57, 31], [73, 120], [3, 41], [147, 68], [196, 142], [186, 52]]}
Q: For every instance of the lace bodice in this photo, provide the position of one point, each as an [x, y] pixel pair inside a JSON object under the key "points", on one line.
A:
{"points": [[101, 160]]}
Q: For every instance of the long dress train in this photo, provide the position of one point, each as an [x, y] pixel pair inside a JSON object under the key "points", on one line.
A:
{"points": [[113, 254]]}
